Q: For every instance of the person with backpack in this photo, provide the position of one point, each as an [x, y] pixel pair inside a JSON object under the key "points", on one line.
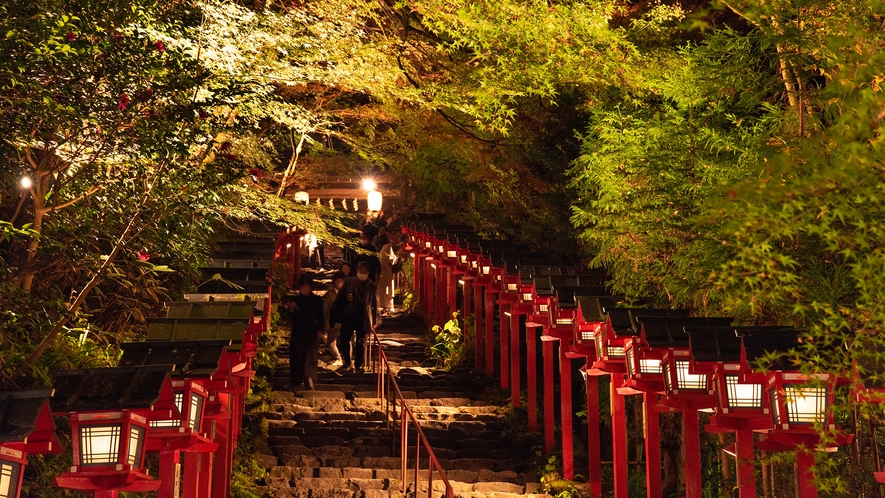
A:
{"points": [[356, 309], [306, 312], [333, 330]]}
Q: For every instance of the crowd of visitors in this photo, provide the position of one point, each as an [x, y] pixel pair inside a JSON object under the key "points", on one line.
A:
{"points": [[363, 289]]}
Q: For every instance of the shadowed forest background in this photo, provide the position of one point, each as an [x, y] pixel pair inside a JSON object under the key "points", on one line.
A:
{"points": [[721, 156]]}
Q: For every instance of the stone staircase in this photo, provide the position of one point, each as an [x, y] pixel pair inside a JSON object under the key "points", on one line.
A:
{"points": [[336, 441]]}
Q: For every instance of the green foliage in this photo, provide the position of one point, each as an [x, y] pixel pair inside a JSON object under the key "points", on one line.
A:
{"points": [[447, 346]]}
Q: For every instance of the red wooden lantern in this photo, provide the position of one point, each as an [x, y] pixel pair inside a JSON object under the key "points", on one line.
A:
{"points": [[196, 362], [26, 428], [740, 402], [111, 410], [799, 405], [663, 343]]}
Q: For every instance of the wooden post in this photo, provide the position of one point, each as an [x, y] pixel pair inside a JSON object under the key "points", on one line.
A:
{"points": [[169, 474], [505, 344], [477, 324], [515, 391], [744, 456], [593, 449], [652, 427], [224, 452], [453, 291], [691, 449], [531, 355], [619, 437], [805, 485], [565, 379], [549, 417], [441, 295], [490, 331]]}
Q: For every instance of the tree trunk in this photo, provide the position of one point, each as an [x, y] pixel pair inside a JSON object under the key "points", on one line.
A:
{"points": [[84, 292], [28, 269], [290, 169]]}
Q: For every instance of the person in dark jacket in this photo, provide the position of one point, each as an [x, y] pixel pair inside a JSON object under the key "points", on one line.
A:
{"points": [[369, 255], [357, 298], [308, 322]]}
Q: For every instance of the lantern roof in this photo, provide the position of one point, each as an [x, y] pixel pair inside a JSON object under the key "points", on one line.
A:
{"points": [[191, 358], [667, 331], [211, 309], [576, 280], [120, 388], [593, 307], [196, 329], [234, 274], [20, 414], [567, 295], [761, 341], [623, 321], [714, 344]]}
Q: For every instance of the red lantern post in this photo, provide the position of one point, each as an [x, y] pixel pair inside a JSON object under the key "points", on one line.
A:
{"points": [[27, 429], [111, 410]]}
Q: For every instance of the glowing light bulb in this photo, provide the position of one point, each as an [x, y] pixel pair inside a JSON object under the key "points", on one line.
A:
{"points": [[26, 182]]}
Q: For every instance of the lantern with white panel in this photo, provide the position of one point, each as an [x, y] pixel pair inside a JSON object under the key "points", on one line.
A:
{"points": [[111, 410], [196, 362], [234, 330], [687, 386], [589, 318], [27, 428], [740, 402], [799, 405]]}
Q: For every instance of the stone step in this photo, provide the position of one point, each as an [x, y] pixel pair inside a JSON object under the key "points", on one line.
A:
{"points": [[462, 476], [358, 479]]}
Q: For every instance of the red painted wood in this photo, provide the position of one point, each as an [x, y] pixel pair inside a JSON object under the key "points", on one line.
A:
{"points": [[106, 494], [746, 478], [467, 310], [453, 291], [515, 393], [442, 294], [566, 412], [549, 417], [652, 446], [197, 474], [691, 447], [619, 437], [224, 454], [477, 325], [805, 485], [593, 449], [167, 469], [428, 292], [490, 331], [416, 276], [532, 377], [505, 345]]}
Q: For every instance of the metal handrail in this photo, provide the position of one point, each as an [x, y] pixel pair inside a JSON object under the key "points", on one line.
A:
{"points": [[388, 386]]}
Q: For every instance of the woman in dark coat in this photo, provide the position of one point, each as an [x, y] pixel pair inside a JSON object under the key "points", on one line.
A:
{"points": [[306, 309], [357, 298]]}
